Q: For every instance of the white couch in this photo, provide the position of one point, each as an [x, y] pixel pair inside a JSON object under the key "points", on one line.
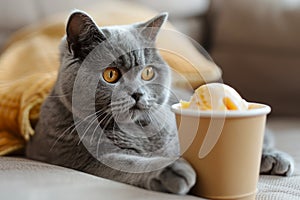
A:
{"points": [[25, 179]]}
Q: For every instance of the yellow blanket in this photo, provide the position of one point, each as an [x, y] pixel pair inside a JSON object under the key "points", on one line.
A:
{"points": [[29, 64]]}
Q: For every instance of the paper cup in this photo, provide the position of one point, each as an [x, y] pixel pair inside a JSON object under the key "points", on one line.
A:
{"points": [[224, 147]]}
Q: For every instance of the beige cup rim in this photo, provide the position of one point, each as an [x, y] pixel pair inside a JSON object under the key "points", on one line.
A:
{"points": [[256, 109]]}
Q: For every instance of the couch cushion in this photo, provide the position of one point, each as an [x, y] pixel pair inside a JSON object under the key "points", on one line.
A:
{"points": [[26, 179]]}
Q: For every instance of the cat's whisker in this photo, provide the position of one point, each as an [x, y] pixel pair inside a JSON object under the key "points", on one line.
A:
{"points": [[150, 116], [162, 116], [97, 104], [99, 123], [107, 123], [86, 130], [154, 119], [119, 101], [160, 119], [96, 112], [100, 136], [92, 137], [73, 127], [116, 117]]}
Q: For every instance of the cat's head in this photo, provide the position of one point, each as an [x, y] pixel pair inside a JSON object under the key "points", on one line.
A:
{"points": [[131, 77]]}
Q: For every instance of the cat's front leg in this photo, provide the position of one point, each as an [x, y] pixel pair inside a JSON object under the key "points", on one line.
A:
{"points": [[154, 173], [177, 178], [273, 161]]}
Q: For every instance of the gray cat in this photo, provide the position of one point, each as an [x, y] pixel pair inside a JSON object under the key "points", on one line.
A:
{"points": [[108, 112]]}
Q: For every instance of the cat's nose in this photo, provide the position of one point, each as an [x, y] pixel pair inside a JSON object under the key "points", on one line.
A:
{"points": [[136, 96]]}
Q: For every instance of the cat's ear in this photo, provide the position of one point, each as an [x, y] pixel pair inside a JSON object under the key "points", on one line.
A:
{"points": [[150, 29], [83, 34]]}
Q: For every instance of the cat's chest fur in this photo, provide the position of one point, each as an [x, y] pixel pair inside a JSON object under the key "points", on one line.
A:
{"points": [[155, 144]]}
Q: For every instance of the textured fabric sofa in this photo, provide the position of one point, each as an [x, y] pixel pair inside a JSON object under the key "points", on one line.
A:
{"points": [[25, 179], [21, 178]]}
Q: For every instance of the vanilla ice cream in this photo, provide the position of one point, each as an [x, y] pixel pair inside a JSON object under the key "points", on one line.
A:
{"points": [[215, 96]]}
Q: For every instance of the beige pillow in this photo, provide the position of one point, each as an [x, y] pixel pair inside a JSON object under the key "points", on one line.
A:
{"points": [[257, 45]]}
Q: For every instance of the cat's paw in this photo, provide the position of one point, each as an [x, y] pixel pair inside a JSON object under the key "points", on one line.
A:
{"points": [[276, 163], [177, 178]]}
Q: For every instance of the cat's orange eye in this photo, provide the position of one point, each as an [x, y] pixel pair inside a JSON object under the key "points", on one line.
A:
{"points": [[111, 74], [147, 73]]}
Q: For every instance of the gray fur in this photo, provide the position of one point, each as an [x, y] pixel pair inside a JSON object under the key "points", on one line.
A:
{"points": [[136, 146], [105, 129], [274, 161]]}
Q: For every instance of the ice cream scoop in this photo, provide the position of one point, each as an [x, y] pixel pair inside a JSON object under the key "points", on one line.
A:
{"points": [[215, 96]]}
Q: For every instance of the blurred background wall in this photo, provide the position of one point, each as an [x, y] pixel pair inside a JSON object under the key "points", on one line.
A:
{"points": [[255, 42], [186, 15]]}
